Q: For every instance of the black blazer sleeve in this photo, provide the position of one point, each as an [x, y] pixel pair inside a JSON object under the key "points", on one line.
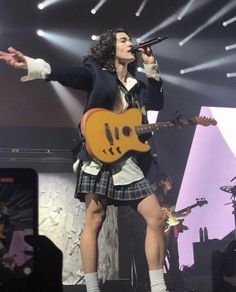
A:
{"points": [[75, 77]]}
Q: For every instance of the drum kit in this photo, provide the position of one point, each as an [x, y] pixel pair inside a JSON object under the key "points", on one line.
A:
{"points": [[231, 190]]}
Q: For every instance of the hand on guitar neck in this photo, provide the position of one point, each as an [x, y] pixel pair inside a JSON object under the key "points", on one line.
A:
{"points": [[172, 215]]}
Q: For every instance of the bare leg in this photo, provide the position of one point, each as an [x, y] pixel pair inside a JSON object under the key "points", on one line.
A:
{"points": [[95, 215], [151, 211]]}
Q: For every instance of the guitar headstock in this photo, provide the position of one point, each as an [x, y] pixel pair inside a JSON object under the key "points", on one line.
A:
{"points": [[204, 121], [201, 202]]}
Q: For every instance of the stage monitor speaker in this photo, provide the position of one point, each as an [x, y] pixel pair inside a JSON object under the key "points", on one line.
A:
{"points": [[74, 288], [121, 285], [202, 254]]}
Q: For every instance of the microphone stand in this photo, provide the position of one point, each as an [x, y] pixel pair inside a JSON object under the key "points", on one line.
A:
{"points": [[233, 202], [233, 198]]}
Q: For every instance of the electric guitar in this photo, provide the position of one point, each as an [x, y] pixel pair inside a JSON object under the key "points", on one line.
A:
{"points": [[172, 220], [109, 136]]}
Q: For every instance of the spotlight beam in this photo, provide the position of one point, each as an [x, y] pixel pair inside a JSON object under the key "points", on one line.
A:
{"points": [[202, 88], [185, 9], [171, 19], [47, 3], [210, 64], [210, 21], [141, 7], [98, 6], [74, 45], [230, 75], [168, 21], [230, 47], [71, 104], [227, 22]]}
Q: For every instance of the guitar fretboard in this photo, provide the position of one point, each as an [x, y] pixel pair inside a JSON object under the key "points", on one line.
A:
{"points": [[147, 128]]}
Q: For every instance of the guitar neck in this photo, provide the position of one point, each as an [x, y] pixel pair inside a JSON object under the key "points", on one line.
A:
{"points": [[179, 123], [186, 209]]}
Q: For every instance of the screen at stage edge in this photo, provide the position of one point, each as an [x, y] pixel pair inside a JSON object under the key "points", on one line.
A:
{"points": [[211, 165]]}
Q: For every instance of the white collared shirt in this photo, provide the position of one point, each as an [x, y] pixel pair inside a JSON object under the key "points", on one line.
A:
{"points": [[125, 171]]}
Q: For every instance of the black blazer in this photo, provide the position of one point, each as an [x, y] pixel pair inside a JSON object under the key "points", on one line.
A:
{"points": [[101, 86]]}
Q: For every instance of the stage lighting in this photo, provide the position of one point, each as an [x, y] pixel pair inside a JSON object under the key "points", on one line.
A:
{"points": [[41, 6], [231, 47], [210, 21], [95, 37], [210, 64], [171, 19], [98, 6], [46, 3], [40, 32], [232, 74], [185, 10], [194, 86], [227, 22], [141, 7], [70, 43], [70, 102]]}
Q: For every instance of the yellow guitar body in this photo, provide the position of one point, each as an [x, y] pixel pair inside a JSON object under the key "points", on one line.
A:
{"points": [[110, 135]]}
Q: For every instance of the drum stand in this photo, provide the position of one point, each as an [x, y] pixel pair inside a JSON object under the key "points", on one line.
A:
{"points": [[232, 190], [233, 198]]}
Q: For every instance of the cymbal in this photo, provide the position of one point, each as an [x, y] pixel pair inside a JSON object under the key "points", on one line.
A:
{"points": [[227, 189]]}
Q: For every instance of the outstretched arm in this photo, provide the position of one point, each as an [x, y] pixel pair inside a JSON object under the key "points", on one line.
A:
{"points": [[14, 58]]}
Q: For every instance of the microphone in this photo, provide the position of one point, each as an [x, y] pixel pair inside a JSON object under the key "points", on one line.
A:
{"points": [[135, 48]]}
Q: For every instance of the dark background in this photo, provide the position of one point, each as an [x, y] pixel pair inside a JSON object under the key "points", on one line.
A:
{"points": [[35, 127]]}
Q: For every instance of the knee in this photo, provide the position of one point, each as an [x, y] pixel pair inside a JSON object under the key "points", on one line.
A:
{"points": [[155, 221], [95, 220]]}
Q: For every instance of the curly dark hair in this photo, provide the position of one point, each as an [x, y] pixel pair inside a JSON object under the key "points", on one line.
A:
{"points": [[159, 183], [103, 51]]}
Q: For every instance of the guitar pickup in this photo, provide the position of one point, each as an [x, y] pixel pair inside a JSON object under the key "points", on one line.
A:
{"points": [[108, 134], [117, 136]]}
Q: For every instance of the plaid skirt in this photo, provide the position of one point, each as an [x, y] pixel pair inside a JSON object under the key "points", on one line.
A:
{"points": [[102, 184]]}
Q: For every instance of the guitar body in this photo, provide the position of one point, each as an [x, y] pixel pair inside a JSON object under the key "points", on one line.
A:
{"points": [[110, 135]]}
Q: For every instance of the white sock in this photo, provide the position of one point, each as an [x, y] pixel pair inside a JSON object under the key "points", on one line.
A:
{"points": [[157, 281], [91, 281]]}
